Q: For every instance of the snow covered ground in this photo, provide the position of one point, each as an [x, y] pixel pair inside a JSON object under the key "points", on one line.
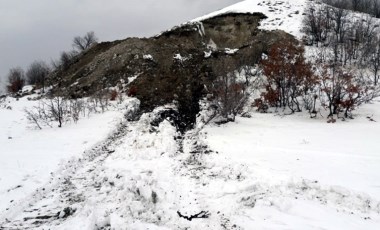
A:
{"points": [[304, 173], [264, 172], [28, 156], [286, 15]]}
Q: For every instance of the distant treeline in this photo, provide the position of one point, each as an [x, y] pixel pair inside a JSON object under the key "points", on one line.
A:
{"points": [[366, 6]]}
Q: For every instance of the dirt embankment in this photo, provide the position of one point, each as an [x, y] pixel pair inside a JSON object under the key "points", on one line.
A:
{"points": [[175, 65]]}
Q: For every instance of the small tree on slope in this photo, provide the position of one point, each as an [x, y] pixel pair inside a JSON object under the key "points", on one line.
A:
{"points": [[289, 76]]}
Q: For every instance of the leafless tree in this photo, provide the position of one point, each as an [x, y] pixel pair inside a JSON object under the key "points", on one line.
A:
{"points": [[58, 110], [371, 28], [316, 23], [340, 29], [229, 92], [83, 43], [374, 62], [99, 100], [342, 91], [366, 6], [355, 4], [376, 8], [34, 116], [16, 80], [77, 107], [67, 58], [333, 82], [50, 110], [37, 73]]}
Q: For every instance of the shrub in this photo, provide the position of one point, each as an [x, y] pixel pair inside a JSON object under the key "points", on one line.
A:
{"points": [[113, 95], [289, 76], [132, 91]]}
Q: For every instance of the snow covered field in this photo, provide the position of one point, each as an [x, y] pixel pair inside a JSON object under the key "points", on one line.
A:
{"points": [[264, 172], [304, 173], [28, 156]]}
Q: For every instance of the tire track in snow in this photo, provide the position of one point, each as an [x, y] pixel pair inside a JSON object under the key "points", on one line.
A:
{"points": [[48, 203]]}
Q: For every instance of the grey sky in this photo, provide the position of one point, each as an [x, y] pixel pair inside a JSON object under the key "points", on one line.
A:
{"points": [[41, 29]]}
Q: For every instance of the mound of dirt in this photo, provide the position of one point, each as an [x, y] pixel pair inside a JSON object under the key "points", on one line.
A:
{"points": [[176, 65]]}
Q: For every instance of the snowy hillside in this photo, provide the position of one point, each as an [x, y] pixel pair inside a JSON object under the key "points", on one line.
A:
{"points": [[263, 171], [283, 15]]}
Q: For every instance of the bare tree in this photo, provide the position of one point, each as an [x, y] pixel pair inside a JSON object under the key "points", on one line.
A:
{"points": [[355, 4], [67, 58], [54, 109], [343, 91], [100, 99], [316, 22], [16, 80], [369, 35], [340, 29], [374, 62], [37, 73], [83, 43], [58, 110], [229, 92], [366, 6], [376, 8], [76, 107]]}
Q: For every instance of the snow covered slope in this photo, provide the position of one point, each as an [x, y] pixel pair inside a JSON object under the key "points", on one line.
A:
{"points": [[282, 14]]}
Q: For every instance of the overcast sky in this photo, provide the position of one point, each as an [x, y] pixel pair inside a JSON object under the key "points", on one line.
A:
{"points": [[40, 29]]}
